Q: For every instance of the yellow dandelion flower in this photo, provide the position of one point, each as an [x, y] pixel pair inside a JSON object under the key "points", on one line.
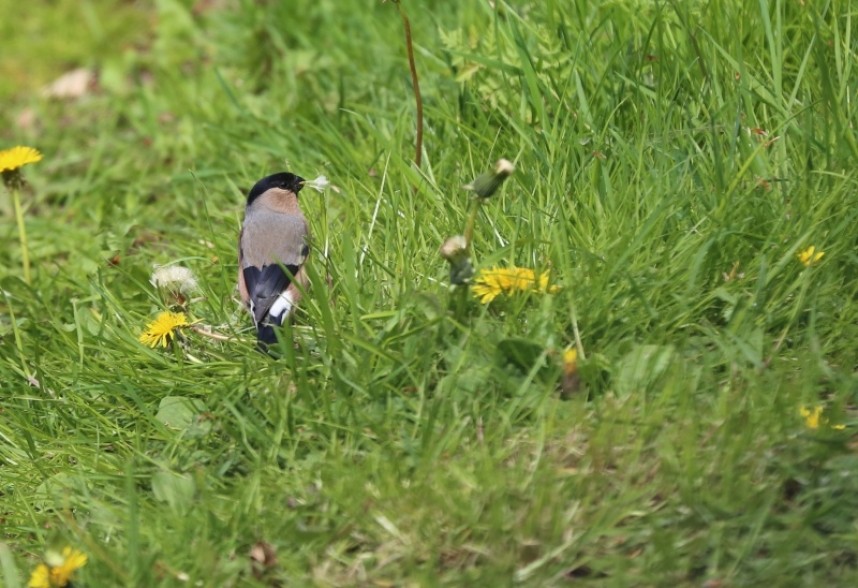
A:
{"points": [[58, 570], [11, 161], [40, 578], [813, 417], [810, 256], [72, 560], [162, 330], [491, 283], [570, 360], [17, 157], [570, 383]]}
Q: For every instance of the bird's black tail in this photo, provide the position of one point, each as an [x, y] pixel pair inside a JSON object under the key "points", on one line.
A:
{"points": [[266, 335]]}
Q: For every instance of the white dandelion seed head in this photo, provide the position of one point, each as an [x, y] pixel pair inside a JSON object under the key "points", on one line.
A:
{"points": [[176, 278], [319, 184]]}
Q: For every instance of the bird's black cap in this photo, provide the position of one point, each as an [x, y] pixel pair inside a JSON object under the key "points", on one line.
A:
{"points": [[283, 180]]}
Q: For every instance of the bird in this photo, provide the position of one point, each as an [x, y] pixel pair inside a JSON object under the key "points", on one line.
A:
{"points": [[272, 248]]}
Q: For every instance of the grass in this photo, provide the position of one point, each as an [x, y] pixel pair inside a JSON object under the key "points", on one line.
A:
{"points": [[672, 160]]}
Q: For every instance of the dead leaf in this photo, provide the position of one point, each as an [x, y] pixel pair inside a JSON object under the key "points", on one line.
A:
{"points": [[262, 558], [74, 84], [26, 119], [203, 6]]}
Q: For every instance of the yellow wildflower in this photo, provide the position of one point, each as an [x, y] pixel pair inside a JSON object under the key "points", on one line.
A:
{"points": [[40, 578], [16, 157], [571, 381], [58, 570], [570, 360], [11, 162], [810, 256], [813, 417], [162, 330], [491, 283]]}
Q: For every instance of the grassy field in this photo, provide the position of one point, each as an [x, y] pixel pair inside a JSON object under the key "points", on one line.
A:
{"points": [[673, 159]]}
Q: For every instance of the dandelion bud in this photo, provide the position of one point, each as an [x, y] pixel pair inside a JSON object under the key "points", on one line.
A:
{"points": [[454, 248], [488, 183], [455, 251]]}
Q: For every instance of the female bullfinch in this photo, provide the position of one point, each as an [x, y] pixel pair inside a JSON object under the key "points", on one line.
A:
{"points": [[272, 248]]}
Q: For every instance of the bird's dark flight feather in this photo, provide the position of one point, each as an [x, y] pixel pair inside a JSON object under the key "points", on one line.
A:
{"points": [[264, 285]]}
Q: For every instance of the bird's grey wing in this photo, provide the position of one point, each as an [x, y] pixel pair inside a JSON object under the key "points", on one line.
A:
{"points": [[273, 249]]}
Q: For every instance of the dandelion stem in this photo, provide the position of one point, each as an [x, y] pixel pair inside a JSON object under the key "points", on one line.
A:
{"points": [[16, 333], [206, 331], [22, 233], [577, 334], [472, 219], [458, 303]]}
